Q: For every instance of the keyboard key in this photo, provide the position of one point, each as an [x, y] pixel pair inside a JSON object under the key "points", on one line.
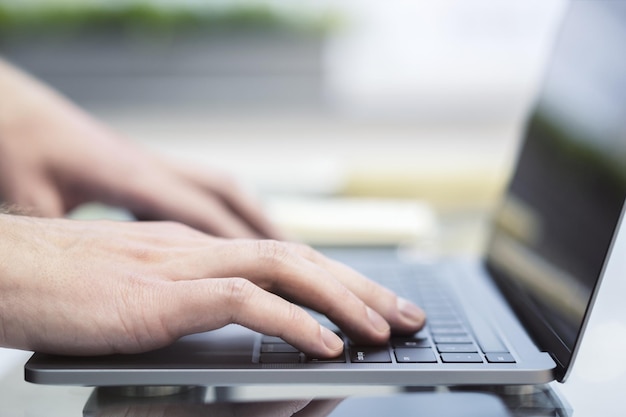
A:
{"points": [[271, 339], [339, 359], [439, 311], [435, 322], [280, 358], [369, 354], [487, 338], [457, 348], [418, 355], [410, 342], [461, 358], [451, 339], [278, 348], [449, 330], [503, 357]]}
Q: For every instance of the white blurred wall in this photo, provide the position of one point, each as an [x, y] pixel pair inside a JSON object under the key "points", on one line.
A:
{"points": [[447, 59]]}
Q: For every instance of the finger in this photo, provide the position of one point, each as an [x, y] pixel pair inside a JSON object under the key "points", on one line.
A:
{"points": [[208, 304], [177, 200], [242, 203], [275, 267], [249, 209], [211, 215], [401, 314]]}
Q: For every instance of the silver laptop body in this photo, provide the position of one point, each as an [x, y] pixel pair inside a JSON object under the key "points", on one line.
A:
{"points": [[516, 316]]}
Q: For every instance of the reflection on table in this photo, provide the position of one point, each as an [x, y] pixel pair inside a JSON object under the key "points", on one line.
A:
{"points": [[201, 401]]}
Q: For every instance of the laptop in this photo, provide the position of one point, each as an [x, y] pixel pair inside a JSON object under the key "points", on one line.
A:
{"points": [[514, 316]]}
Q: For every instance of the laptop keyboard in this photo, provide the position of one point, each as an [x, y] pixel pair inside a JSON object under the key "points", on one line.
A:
{"points": [[447, 337]]}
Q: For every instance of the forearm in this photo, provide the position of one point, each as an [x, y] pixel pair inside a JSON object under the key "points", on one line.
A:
{"points": [[3, 274]]}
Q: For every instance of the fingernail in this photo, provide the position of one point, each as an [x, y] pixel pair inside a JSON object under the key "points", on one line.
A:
{"points": [[331, 340], [410, 311], [377, 321]]}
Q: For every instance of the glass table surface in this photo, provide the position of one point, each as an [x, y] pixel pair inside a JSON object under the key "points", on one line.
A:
{"points": [[20, 398]]}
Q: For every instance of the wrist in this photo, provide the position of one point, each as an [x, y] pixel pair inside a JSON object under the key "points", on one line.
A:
{"points": [[18, 261], [6, 243]]}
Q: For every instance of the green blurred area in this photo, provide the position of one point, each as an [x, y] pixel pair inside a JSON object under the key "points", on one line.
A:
{"points": [[152, 19]]}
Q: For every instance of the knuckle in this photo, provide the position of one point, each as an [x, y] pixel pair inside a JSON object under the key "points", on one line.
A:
{"points": [[144, 253], [343, 302], [272, 252], [343, 293], [342, 297], [294, 314], [305, 250], [238, 291], [140, 315]]}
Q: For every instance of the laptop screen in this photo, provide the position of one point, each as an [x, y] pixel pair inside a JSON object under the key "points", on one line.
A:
{"points": [[556, 224]]}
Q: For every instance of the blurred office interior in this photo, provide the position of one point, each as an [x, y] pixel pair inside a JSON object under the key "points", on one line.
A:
{"points": [[401, 114]]}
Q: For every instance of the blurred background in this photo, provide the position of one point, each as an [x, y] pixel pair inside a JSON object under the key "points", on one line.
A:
{"points": [[357, 121]]}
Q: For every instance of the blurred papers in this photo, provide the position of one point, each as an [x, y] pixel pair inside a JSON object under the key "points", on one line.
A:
{"points": [[354, 221]]}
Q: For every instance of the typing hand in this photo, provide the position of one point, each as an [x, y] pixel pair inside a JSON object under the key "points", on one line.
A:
{"points": [[54, 157], [100, 287]]}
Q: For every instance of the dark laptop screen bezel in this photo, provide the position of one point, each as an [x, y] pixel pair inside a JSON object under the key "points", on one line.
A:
{"points": [[529, 310]]}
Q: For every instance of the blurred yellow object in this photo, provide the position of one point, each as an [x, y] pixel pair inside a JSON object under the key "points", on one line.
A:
{"points": [[461, 188]]}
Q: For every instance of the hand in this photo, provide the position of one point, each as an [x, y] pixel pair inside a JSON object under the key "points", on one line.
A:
{"points": [[100, 287], [54, 157]]}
